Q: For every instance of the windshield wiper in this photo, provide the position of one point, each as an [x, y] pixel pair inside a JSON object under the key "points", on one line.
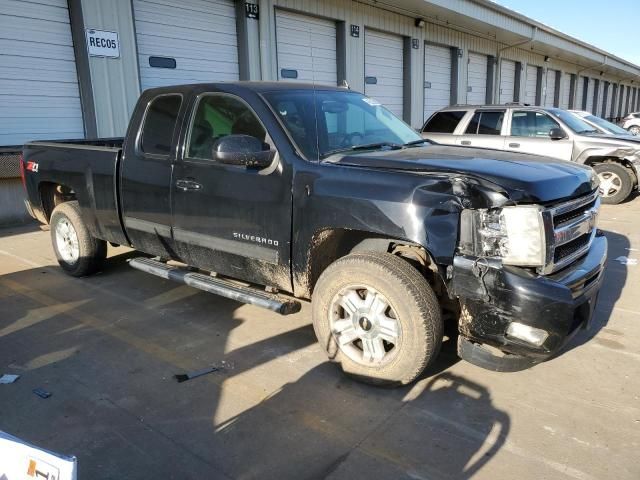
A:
{"points": [[366, 146], [588, 131], [418, 142], [373, 146]]}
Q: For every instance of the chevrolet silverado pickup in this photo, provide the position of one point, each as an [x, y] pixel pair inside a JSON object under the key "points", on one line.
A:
{"points": [[272, 194]]}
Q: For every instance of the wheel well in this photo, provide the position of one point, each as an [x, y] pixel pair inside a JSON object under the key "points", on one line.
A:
{"points": [[591, 161], [52, 195], [329, 245]]}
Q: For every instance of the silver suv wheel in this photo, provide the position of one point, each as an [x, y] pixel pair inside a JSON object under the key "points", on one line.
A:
{"points": [[610, 184]]}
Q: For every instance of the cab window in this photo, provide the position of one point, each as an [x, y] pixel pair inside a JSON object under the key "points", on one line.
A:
{"points": [[485, 123], [217, 116], [443, 122], [159, 124], [531, 124]]}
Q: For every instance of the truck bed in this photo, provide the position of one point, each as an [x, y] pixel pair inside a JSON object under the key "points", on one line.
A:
{"points": [[90, 169]]}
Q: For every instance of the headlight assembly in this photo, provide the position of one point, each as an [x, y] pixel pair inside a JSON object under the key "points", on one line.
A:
{"points": [[516, 235]]}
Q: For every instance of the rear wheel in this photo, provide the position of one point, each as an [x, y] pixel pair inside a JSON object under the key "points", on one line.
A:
{"points": [[616, 182], [78, 253], [377, 317]]}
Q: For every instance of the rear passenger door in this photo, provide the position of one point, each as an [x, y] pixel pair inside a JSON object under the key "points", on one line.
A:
{"points": [[484, 130], [529, 133], [146, 176], [443, 126]]}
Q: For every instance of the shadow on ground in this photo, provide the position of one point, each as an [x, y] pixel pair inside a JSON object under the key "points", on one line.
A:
{"points": [[106, 347]]}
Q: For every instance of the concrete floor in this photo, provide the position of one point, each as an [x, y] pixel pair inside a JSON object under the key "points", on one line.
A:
{"points": [[107, 347]]}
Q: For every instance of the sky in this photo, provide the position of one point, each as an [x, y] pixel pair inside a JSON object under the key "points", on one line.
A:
{"points": [[613, 25]]}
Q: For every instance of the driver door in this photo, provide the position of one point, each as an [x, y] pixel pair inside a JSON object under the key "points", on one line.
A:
{"points": [[231, 219]]}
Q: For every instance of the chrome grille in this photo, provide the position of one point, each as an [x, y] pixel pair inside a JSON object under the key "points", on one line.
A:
{"points": [[570, 228]]}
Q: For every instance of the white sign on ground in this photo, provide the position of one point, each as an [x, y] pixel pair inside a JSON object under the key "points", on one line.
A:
{"points": [[19, 460]]}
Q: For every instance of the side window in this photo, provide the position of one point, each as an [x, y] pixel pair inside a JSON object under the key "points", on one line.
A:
{"points": [[443, 122], [217, 116], [486, 123], [531, 124], [159, 123]]}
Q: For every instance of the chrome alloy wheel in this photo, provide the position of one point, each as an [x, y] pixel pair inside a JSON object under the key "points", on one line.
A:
{"points": [[610, 183], [635, 130], [364, 325], [67, 241]]}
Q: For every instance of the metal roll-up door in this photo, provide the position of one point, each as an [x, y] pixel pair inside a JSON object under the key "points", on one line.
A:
{"points": [[437, 78], [384, 69], [507, 80], [191, 41], [531, 84], [39, 94], [565, 90], [306, 48], [589, 94], [550, 90], [476, 79]]}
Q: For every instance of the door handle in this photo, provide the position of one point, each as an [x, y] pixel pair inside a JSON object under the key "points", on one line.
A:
{"points": [[465, 142], [185, 185], [514, 145]]}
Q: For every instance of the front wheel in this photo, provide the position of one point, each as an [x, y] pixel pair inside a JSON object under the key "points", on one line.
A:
{"points": [[377, 317], [616, 182], [78, 252], [634, 130]]}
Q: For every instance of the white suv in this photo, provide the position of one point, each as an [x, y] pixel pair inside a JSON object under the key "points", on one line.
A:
{"points": [[551, 132], [632, 123]]}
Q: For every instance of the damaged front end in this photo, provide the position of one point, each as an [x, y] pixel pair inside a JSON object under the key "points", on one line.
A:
{"points": [[527, 278]]}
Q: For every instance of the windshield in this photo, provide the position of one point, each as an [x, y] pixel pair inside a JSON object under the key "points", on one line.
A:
{"points": [[325, 122], [608, 126], [574, 122]]}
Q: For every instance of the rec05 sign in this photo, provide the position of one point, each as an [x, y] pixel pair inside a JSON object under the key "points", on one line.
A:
{"points": [[101, 43]]}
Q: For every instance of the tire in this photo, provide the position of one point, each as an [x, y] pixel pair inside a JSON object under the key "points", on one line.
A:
{"points": [[78, 253], [616, 179], [634, 129], [413, 310]]}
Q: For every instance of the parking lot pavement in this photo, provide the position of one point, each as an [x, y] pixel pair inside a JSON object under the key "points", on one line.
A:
{"points": [[107, 346]]}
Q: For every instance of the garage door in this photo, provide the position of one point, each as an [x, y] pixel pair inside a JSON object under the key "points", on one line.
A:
{"points": [[306, 48], [507, 80], [200, 35], [531, 84], [39, 95], [437, 78], [550, 90], [476, 79], [565, 92], [383, 69], [589, 94]]}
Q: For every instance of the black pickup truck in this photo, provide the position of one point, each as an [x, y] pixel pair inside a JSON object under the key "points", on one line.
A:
{"points": [[271, 193]]}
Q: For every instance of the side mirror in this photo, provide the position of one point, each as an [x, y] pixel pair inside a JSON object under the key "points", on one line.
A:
{"points": [[557, 134], [242, 150]]}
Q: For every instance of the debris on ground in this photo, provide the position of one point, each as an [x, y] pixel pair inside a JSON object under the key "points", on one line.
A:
{"points": [[41, 392], [626, 260], [183, 377], [8, 378]]}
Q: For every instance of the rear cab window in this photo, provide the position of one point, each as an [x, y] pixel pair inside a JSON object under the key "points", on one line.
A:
{"points": [[159, 124], [486, 123], [443, 122]]}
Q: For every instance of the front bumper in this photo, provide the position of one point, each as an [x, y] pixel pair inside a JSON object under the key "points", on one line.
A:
{"points": [[493, 295]]}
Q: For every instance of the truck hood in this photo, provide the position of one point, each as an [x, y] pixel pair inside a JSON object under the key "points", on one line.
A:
{"points": [[524, 178]]}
